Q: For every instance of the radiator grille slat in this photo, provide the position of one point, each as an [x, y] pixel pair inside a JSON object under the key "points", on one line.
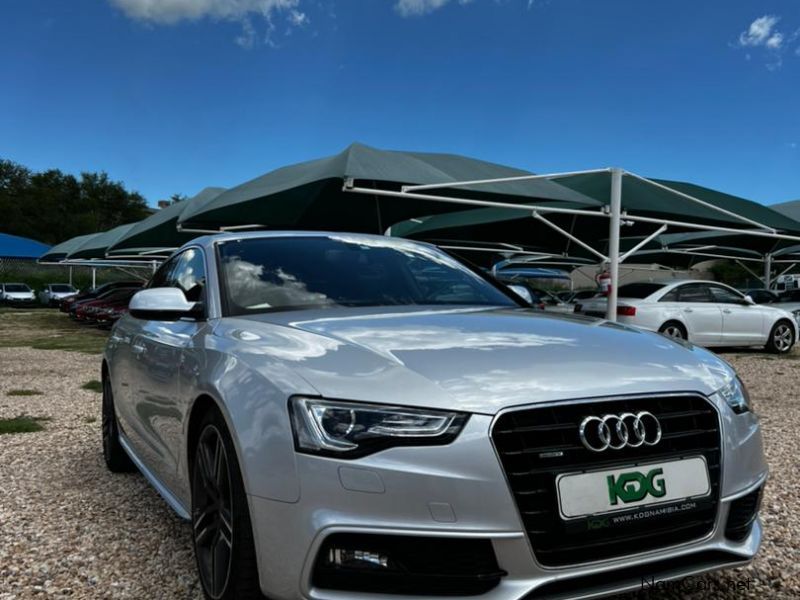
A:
{"points": [[537, 444]]}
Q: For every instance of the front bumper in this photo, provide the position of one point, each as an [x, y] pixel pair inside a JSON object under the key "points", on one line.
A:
{"points": [[26, 302], [460, 491]]}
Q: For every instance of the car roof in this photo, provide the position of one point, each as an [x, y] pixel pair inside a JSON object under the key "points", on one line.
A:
{"points": [[209, 240]]}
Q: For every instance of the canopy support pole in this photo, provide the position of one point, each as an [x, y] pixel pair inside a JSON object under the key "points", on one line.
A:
{"points": [[787, 269], [94, 278], [767, 270], [568, 235], [748, 269], [70, 275], [644, 242], [614, 226]]}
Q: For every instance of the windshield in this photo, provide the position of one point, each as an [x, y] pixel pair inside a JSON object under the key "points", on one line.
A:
{"points": [[61, 287], [17, 287], [286, 273], [639, 290]]}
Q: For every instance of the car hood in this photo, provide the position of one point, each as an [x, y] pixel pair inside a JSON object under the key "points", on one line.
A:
{"points": [[480, 360], [19, 295]]}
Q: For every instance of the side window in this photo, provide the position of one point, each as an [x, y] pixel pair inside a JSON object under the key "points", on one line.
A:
{"points": [[161, 278], [724, 295], [670, 296], [189, 274], [694, 292]]}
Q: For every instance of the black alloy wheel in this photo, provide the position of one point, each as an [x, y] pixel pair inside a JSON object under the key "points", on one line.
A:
{"points": [[212, 512], [117, 460]]}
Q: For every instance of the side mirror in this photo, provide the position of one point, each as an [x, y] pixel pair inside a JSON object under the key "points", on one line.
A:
{"points": [[162, 304], [749, 300], [522, 292]]}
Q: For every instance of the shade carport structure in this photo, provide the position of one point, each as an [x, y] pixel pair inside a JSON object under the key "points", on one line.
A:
{"points": [[60, 251], [316, 194], [646, 208], [157, 235]]}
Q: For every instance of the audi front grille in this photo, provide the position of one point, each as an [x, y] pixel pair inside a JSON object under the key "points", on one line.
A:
{"points": [[537, 444]]}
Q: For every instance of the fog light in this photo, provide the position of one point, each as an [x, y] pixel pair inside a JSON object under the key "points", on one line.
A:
{"points": [[364, 559]]}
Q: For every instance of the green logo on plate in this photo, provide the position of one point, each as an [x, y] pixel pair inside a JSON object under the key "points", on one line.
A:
{"points": [[634, 486]]}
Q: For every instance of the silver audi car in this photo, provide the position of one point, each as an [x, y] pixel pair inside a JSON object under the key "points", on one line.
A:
{"points": [[353, 416]]}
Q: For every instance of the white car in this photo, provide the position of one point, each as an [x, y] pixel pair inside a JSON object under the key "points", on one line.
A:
{"points": [[703, 312], [53, 292], [788, 300], [17, 294]]}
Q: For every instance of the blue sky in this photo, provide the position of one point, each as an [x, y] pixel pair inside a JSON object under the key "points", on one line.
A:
{"points": [[171, 96]]}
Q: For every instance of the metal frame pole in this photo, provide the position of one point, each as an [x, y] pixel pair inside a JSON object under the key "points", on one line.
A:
{"points": [[613, 241], [767, 270], [94, 278], [643, 243]]}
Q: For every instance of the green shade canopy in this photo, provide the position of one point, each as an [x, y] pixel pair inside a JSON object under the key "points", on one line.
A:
{"points": [[642, 198], [515, 226], [60, 251], [158, 232], [789, 209], [720, 242], [309, 195], [96, 246]]}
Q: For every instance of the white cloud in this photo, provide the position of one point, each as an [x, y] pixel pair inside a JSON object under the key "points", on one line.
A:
{"points": [[760, 32], [244, 12], [173, 11], [774, 41], [416, 8], [297, 18], [413, 8], [762, 36]]}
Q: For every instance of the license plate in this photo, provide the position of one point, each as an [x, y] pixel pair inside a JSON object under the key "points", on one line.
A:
{"points": [[612, 490]]}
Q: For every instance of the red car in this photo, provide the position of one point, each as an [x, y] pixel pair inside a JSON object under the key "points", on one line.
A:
{"points": [[68, 302], [88, 310], [106, 317]]}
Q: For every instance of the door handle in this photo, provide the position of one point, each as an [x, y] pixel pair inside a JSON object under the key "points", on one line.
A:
{"points": [[688, 310], [137, 349], [727, 311]]}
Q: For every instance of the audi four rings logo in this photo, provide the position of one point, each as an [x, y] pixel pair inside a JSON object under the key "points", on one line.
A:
{"points": [[619, 431]]}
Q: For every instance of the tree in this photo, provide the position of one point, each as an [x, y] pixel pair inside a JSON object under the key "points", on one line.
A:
{"points": [[52, 206]]}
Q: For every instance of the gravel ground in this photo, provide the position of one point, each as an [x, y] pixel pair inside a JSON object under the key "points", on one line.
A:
{"points": [[68, 528]]}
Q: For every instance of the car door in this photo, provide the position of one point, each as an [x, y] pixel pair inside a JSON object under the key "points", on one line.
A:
{"points": [[125, 360], [159, 350], [156, 349], [702, 315], [742, 323]]}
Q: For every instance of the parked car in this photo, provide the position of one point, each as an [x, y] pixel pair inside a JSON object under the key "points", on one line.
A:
{"points": [[535, 296], [343, 415], [17, 294], [704, 312], [110, 315], [571, 297], [761, 295], [54, 293], [67, 303], [86, 310], [788, 300]]}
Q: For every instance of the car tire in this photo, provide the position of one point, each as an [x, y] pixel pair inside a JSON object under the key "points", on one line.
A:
{"points": [[674, 330], [781, 338], [117, 460], [221, 526]]}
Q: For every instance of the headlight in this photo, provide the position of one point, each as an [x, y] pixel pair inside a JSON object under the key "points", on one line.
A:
{"points": [[736, 395], [354, 429]]}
